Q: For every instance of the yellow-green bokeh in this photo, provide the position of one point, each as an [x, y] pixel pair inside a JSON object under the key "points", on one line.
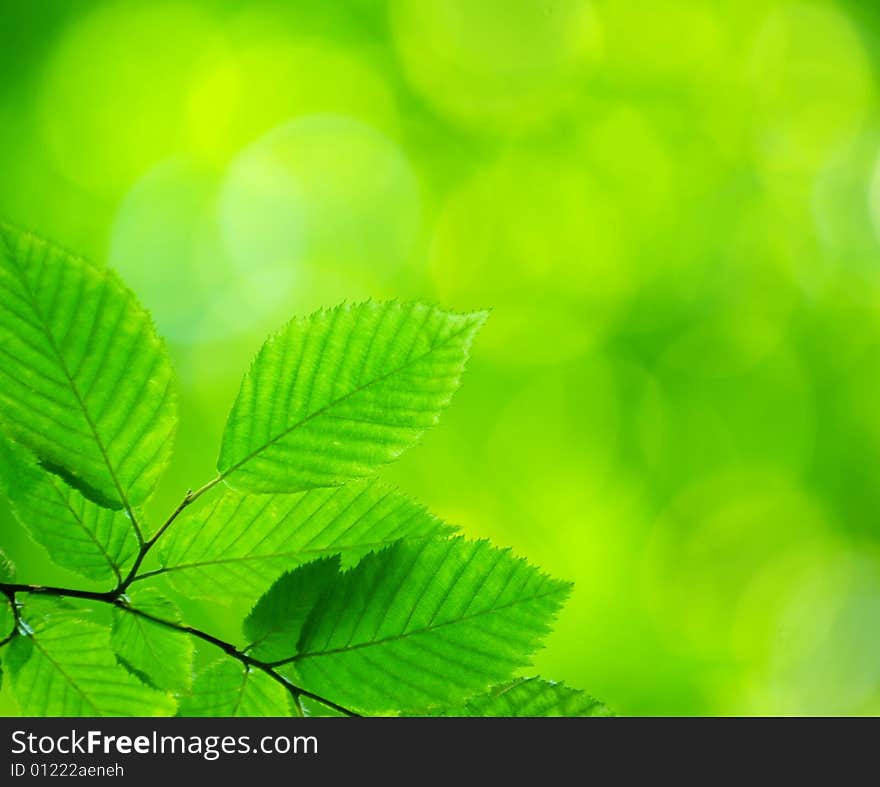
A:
{"points": [[672, 208]]}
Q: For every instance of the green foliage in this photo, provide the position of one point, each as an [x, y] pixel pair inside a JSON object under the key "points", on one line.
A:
{"points": [[77, 533], [241, 543], [530, 697], [87, 386], [338, 394], [64, 666], [8, 621], [365, 602], [274, 626], [8, 625], [422, 625], [163, 657], [7, 618], [7, 568], [313, 709], [229, 689]]}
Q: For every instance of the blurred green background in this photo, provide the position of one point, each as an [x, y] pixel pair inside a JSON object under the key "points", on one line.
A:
{"points": [[673, 208]]}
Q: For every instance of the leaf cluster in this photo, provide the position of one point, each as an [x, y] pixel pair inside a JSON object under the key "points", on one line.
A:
{"points": [[361, 601]]}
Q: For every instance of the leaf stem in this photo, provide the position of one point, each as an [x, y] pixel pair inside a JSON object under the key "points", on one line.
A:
{"points": [[147, 574], [115, 599], [204, 488], [10, 589], [230, 650], [188, 499]]}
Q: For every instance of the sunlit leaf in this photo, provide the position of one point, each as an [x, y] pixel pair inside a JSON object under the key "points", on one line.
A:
{"points": [[163, 656], [336, 395], [275, 623], [241, 543], [86, 384], [227, 688], [7, 568], [7, 617], [314, 709], [65, 667], [78, 534], [529, 697], [424, 624]]}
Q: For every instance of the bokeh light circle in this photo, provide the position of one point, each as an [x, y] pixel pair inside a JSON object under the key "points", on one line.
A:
{"points": [[495, 64], [325, 203], [256, 83], [542, 243], [166, 245], [713, 541], [666, 42], [824, 656], [113, 93], [812, 86]]}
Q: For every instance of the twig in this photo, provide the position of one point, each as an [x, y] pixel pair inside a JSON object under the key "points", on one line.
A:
{"points": [[116, 598], [188, 499]]}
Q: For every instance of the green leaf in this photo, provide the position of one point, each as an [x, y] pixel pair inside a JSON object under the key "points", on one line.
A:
{"points": [[7, 617], [65, 667], [242, 543], [7, 627], [228, 688], [314, 709], [85, 383], [336, 395], [275, 623], [7, 568], [161, 654], [424, 625], [7, 613], [78, 534], [530, 697]]}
